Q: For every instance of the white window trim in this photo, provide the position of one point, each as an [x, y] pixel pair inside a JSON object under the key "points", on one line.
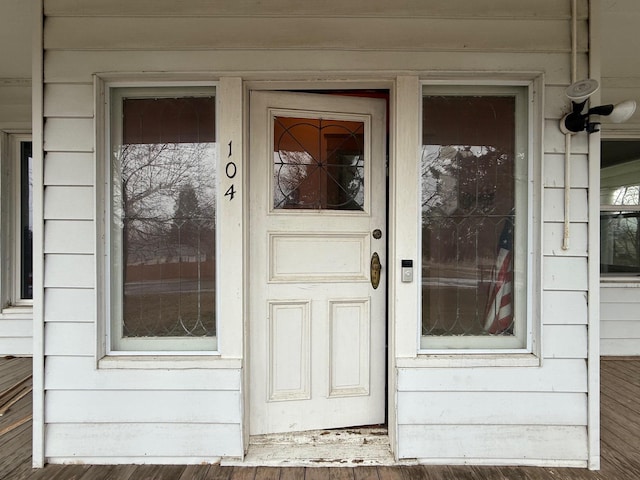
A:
{"points": [[11, 299], [484, 354], [104, 88]]}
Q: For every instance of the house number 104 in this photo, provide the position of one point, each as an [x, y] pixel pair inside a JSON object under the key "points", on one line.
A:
{"points": [[230, 170]]}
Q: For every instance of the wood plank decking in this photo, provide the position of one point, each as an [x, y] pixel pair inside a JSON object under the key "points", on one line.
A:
{"points": [[620, 393]]}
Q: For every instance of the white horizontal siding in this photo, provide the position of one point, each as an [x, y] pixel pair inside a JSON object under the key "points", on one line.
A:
{"points": [[612, 294], [68, 203], [492, 408], [554, 205], [16, 336], [619, 346], [16, 346], [507, 444], [552, 376], [620, 329], [105, 406], [68, 134], [564, 341], [69, 305], [565, 273], [21, 327], [79, 66], [406, 34], [69, 236], [626, 309], [70, 339], [542, 9], [565, 284], [69, 168], [143, 441], [554, 165], [554, 139], [78, 373], [74, 100], [69, 271], [620, 319], [553, 240], [562, 308]]}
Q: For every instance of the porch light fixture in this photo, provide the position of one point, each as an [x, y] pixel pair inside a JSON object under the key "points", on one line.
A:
{"points": [[576, 121]]}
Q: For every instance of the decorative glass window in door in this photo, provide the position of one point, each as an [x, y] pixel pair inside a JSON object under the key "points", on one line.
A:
{"points": [[474, 217], [163, 219], [318, 164]]}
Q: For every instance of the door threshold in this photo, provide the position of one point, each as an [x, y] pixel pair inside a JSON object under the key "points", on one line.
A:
{"points": [[346, 447]]}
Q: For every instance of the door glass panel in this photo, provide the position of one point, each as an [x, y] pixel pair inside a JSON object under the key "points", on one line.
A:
{"points": [[318, 164]]}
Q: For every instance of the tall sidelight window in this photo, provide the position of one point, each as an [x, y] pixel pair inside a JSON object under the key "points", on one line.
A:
{"points": [[474, 217], [163, 219], [620, 209], [25, 222], [16, 221]]}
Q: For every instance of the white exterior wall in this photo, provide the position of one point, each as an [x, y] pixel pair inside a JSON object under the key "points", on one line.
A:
{"points": [[620, 300], [16, 325], [532, 411], [620, 318]]}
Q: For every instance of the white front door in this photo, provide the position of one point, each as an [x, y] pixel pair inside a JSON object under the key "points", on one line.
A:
{"points": [[317, 231]]}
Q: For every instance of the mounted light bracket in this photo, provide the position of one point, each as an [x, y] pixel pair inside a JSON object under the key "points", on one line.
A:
{"points": [[579, 94]]}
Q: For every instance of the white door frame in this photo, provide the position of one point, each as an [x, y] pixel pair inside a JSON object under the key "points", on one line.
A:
{"points": [[392, 273]]}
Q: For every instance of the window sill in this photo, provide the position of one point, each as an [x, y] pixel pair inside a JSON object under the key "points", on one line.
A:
{"points": [[425, 360], [627, 281], [164, 362], [17, 313]]}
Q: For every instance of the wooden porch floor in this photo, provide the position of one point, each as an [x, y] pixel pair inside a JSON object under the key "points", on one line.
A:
{"points": [[620, 393]]}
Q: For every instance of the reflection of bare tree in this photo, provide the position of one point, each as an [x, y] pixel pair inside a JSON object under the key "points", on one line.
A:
{"points": [[467, 196], [165, 210], [291, 171], [621, 240], [627, 248], [463, 189], [620, 235], [301, 181]]}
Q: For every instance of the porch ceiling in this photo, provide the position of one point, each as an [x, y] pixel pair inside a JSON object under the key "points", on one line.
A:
{"points": [[15, 39]]}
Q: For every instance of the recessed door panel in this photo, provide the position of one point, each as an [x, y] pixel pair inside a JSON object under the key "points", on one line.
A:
{"points": [[289, 351], [349, 349], [318, 257]]}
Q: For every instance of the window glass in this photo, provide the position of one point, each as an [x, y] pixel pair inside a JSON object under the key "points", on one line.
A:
{"points": [[318, 164], [16, 222], [26, 221], [620, 208], [163, 222], [473, 219]]}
